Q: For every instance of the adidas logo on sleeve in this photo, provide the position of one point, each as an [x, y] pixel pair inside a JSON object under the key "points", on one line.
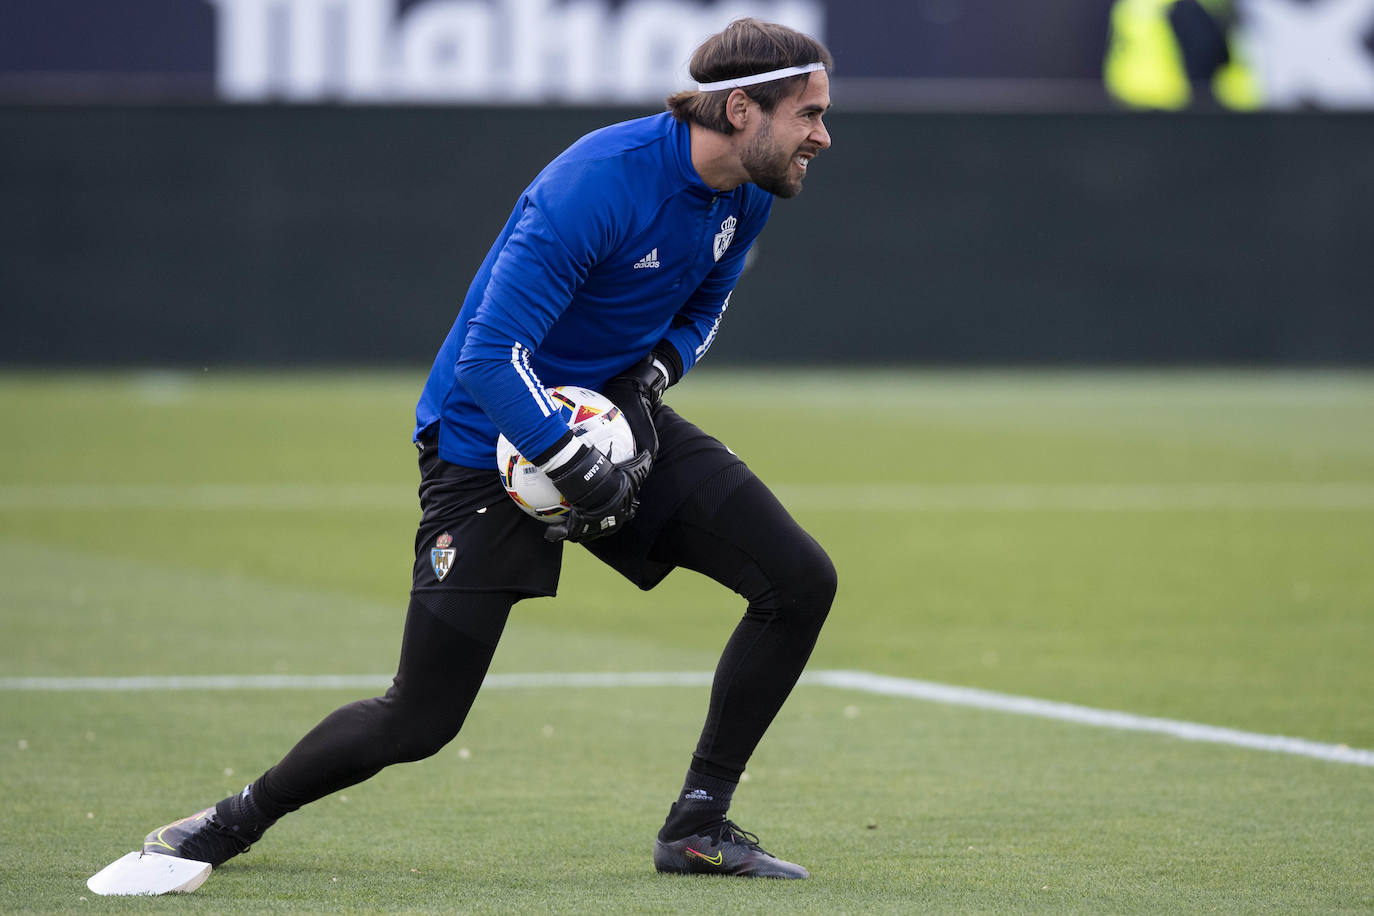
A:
{"points": [[649, 260]]}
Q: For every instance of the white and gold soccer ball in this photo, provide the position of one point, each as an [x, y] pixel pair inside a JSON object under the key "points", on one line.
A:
{"points": [[594, 420]]}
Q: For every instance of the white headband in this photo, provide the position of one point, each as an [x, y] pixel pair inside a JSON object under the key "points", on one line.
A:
{"points": [[741, 82]]}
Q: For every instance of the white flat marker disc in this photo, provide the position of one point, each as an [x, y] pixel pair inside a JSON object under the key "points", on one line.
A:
{"points": [[148, 874]]}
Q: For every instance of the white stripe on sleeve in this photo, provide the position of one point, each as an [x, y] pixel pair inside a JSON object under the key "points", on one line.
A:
{"points": [[520, 359], [710, 338]]}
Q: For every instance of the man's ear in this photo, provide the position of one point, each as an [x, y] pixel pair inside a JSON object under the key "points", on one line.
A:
{"points": [[737, 109]]}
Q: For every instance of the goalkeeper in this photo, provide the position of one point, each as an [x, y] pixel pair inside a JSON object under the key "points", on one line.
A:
{"points": [[613, 272]]}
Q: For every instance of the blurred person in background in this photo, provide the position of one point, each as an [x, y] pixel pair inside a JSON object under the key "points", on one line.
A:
{"points": [[1176, 54]]}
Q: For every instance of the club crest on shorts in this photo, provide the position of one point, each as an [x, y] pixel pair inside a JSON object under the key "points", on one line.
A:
{"points": [[725, 235], [442, 554]]}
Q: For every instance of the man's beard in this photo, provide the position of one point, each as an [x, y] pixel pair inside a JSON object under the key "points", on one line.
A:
{"points": [[768, 167]]}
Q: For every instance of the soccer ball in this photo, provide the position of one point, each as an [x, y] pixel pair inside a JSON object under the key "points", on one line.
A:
{"points": [[594, 419]]}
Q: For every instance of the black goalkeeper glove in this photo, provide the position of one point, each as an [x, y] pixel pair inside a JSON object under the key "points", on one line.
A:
{"points": [[637, 392], [604, 496]]}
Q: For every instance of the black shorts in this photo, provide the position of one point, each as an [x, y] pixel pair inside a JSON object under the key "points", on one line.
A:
{"points": [[474, 538]]}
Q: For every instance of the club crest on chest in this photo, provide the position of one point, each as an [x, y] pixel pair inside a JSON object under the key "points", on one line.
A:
{"points": [[725, 236]]}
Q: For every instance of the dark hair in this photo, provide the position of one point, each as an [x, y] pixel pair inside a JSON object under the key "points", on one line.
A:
{"points": [[746, 47]]}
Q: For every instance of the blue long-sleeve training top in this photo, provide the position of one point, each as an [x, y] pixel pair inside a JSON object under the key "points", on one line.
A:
{"points": [[616, 246]]}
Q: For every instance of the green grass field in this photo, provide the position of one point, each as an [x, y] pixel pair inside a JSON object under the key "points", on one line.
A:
{"points": [[1197, 546]]}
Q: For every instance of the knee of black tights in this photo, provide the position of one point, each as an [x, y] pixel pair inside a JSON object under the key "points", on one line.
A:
{"points": [[802, 593], [812, 574], [415, 730], [424, 736], [823, 581]]}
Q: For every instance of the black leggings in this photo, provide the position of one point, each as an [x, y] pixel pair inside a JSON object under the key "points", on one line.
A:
{"points": [[752, 546], [747, 542]]}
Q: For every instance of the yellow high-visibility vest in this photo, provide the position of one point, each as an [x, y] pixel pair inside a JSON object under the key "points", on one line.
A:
{"points": [[1144, 65]]}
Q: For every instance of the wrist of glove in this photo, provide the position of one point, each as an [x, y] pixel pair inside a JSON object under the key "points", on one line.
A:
{"points": [[637, 392], [604, 496]]}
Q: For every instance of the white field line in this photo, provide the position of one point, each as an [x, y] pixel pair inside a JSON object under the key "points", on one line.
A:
{"points": [[862, 681], [330, 681], [1087, 715], [872, 497], [1079, 497], [207, 496]]}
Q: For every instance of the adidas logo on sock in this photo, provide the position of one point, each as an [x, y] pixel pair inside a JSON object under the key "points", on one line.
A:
{"points": [[697, 795], [649, 260]]}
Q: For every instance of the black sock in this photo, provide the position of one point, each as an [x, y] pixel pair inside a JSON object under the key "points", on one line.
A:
{"points": [[702, 804], [240, 812]]}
